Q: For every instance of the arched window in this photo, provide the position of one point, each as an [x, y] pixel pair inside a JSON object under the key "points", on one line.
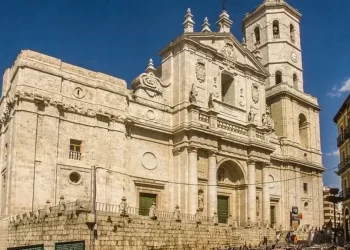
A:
{"points": [[303, 131], [276, 29], [295, 81], [257, 34], [292, 33], [278, 77]]}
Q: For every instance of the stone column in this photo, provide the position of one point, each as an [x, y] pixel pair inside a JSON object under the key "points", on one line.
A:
{"points": [[266, 194], [212, 188], [192, 197], [251, 191]]}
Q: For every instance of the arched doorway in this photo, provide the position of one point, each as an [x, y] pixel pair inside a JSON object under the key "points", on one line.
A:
{"points": [[231, 192], [346, 218]]}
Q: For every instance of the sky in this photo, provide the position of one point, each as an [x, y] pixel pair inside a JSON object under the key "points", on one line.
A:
{"points": [[118, 38]]}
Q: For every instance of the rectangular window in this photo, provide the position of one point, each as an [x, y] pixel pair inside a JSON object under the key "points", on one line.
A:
{"points": [[145, 202], [305, 187], [227, 89], [75, 149]]}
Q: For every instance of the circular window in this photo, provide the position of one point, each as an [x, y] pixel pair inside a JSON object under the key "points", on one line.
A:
{"points": [[75, 178], [306, 204]]}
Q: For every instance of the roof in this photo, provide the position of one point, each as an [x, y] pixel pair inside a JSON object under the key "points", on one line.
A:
{"points": [[345, 105]]}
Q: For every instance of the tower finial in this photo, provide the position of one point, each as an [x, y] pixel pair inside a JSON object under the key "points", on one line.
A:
{"points": [[224, 23], [150, 67], [206, 25], [189, 23]]}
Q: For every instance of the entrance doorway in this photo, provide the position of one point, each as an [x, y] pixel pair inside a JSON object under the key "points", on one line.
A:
{"points": [[145, 202], [273, 215], [222, 208]]}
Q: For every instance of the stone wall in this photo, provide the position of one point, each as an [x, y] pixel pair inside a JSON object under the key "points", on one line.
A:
{"points": [[134, 232]]}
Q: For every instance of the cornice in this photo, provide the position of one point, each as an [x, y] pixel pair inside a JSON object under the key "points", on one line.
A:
{"points": [[284, 89]]}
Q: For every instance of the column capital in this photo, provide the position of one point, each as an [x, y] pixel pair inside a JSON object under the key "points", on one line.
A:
{"points": [[176, 151], [212, 153], [192, 149], [251, 162]]}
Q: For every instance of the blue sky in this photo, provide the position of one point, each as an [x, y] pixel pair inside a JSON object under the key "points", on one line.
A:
{"points": [[118, 37]]}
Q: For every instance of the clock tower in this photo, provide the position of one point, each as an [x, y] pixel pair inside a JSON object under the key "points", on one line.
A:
{"points": [[272, 31], [272, 34]]}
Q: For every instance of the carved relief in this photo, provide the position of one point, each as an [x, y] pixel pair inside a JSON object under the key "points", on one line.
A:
{"points": [[210, 101], [216, 94], [150, 83], [151, 115], [79, 93], [241, 99], [149, 161], [200, 70], [229, 52], [255, 93]]}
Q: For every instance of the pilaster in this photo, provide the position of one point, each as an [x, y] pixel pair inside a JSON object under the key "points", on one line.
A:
{"points": [[251, 191], [266, 194], [212, 185], [192, 180]]}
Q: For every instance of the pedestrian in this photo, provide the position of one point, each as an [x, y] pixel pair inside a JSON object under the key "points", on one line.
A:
{"points": [[278, 238], [295, 239]]}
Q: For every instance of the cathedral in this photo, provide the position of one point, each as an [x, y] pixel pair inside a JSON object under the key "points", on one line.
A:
{"points": [[220, 126]]}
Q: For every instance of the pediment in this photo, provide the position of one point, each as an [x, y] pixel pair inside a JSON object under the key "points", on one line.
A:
{"points": [[227, 47]]}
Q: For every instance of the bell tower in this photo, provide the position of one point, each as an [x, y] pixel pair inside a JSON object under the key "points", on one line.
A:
{"points": [[273, 29]]}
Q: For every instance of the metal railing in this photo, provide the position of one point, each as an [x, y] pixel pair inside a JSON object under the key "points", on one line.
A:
{"points": [[344, 165]]}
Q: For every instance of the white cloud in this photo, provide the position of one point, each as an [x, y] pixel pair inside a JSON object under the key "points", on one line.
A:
{"points": [[333, 153], [337, 92]]}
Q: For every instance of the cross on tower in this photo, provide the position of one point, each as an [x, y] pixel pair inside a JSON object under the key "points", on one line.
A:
{"points": [[223, 4]]}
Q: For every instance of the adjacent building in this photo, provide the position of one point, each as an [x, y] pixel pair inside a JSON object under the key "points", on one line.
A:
{"points": [[332, 212], [342, 119], [221, 125]]}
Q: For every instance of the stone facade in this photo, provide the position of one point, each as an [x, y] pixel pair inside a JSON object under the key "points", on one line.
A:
{"points": [[209, 125]]}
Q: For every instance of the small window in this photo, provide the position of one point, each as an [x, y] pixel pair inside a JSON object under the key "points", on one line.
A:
{"points": [[75, 149], [75, 178], [276, 29], [295, 81], [227, 89], [278, 77], [292, 33], [257, 35], [305, 187]]}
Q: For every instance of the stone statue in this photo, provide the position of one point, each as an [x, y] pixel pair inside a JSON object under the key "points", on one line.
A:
{"points": [[200, 201], [229, 220], [123, 207], [267, 224], [193, 95], [62, 204], [221, 175], [251, 115], [153, 211], [249, 222], [198, 216], [47, 208], [216, 218], [270, 122], [177, 213], [264, 120]]}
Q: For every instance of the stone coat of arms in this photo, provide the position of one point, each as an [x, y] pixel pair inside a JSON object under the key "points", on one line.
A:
{"points": [[200, 71]]}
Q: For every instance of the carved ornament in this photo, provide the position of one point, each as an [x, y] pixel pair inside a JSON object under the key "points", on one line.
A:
{"points": [[200, 71], [229, 52], [255, 93]]}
